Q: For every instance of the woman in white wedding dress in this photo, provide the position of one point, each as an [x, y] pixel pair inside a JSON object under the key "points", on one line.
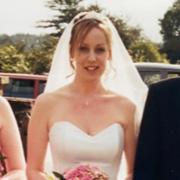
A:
{"points": [[94, 96]]}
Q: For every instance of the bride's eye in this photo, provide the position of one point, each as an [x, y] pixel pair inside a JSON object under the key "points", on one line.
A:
{"points": [[100, 50], [83, 49]]}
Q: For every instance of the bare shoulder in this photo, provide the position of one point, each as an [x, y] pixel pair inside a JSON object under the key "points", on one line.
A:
{"points": [[125, 107], [129, 109], [123, 102], [44, 99], [46, 106], [50, 99], [4, 105]]}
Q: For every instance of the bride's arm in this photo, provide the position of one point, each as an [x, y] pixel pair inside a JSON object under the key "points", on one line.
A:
{"points": [[10, 143], [15, 175], [36, 174], [130, 139], [37, 139]]}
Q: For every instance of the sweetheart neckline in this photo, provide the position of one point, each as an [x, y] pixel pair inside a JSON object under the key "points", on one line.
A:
{"points": [[83, 132]]}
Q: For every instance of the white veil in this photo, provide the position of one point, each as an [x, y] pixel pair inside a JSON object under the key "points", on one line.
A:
{"points": [[124, 80]]}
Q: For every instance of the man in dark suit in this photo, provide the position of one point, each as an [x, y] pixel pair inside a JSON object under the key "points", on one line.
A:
{"points": [[158, 148]]}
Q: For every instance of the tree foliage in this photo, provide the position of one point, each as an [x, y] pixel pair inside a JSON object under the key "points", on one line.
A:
{"points": [[66, 10], [12, 60], [39, 59], [170, 30], [146, 51], [22, 58], [128, 34]]}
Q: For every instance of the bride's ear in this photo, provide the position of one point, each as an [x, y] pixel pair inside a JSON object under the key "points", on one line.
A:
{"points": [[72, 61], [110, 55], [71, 52]]}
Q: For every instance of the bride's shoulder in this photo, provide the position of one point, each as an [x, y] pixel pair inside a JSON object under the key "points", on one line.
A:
{"points": [[4, 105], [122, 101], [118, 98], [51, 97], [125, 107]]}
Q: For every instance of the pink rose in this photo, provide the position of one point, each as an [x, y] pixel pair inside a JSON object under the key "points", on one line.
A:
{"points": [[83, 172]]}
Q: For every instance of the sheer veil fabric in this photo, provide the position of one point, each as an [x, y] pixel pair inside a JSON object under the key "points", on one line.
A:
{"points": [[123, 78]]}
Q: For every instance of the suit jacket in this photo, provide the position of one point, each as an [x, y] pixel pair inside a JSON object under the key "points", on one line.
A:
{"points": [[158, 148]]}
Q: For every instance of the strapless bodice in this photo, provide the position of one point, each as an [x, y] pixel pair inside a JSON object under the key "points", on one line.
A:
{"points": [[71, 146]]}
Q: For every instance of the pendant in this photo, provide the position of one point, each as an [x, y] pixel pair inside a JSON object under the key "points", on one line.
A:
{"points": [[86, 103]]}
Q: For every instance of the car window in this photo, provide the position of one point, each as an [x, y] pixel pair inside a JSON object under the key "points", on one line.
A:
{"points": [[173, 74], [42, 84], [19, 88], [150, 77], [154, 72]]}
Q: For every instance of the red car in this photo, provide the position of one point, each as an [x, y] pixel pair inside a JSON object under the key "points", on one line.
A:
{"points": [[24, 87]]}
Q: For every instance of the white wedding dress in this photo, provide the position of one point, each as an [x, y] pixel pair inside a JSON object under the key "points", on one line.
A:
{"points": [[71, 146]]}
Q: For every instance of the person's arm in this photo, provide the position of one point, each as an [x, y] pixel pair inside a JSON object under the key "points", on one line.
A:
{"points": [[146, 161], [10, 142], [130, 139], [37, 139]]}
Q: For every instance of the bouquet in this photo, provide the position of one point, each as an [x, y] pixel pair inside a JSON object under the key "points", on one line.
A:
{"points": [[82, 172]]}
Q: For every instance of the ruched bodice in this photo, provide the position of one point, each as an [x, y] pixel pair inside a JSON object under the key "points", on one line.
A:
{"points": [[71, 146]]}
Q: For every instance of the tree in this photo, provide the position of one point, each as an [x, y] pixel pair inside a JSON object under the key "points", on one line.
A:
{"points": [[5, 39], [66, 10], [11, 60], [39, 59], [170, 30], [146, 51], [128, 34], [34, 56]]}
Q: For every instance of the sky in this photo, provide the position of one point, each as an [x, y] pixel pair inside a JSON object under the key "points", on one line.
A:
{"points": [[21, 16]]}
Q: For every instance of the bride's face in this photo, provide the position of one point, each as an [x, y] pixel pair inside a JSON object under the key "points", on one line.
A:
{"points": [[91, 54]]}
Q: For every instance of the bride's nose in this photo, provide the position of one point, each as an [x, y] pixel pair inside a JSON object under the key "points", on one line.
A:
{"points": [[91, 56]]}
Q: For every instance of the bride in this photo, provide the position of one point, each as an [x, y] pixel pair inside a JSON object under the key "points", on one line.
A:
{"points": [[93, 101]]}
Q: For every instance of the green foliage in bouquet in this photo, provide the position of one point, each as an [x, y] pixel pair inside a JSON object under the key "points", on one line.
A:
{"points": [[59, 176], [2, 164]]}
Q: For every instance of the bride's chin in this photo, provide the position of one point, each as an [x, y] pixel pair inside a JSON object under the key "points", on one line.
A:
{"points": [[92, 77]]}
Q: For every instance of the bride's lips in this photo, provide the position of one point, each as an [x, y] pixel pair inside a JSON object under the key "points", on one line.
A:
{"points": [[91, 68]]}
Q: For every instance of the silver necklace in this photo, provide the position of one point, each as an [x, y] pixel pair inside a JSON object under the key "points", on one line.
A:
{"points": [[86, 103]]}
